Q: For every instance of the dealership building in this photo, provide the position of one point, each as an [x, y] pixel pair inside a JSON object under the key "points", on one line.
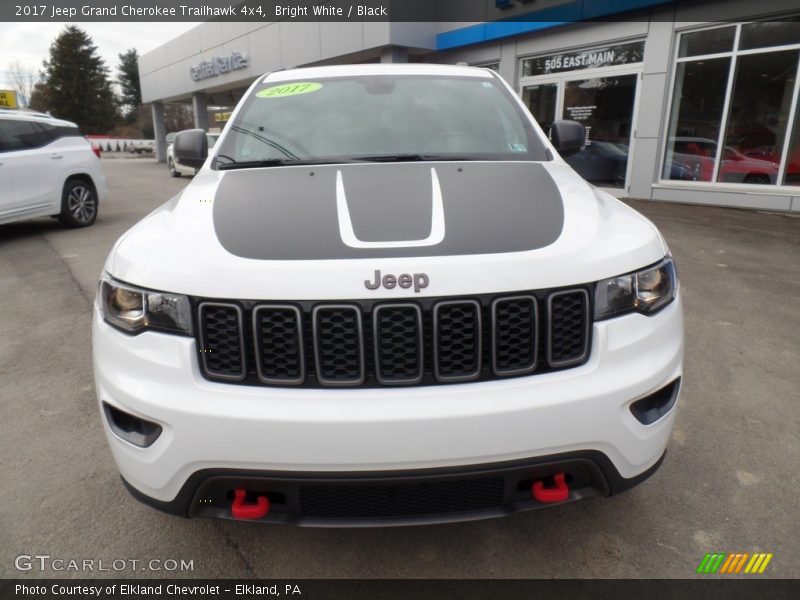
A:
{"points": [[678, 106]]}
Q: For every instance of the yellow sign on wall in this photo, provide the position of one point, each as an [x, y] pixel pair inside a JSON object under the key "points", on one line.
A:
{"points": [[8, 99]]}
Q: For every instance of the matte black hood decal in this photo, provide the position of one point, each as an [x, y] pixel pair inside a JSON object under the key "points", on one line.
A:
{"points": [[387, 210]]}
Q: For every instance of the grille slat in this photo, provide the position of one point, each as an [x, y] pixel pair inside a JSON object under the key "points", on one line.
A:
{"points": [[568, 327], [338, 344], [222, 340], [457, 340], [398, 343], [278, 337], [424, 341], [515, 332]]}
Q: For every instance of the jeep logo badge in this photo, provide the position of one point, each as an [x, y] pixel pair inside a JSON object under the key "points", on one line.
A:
{"points": [[418, 280]]}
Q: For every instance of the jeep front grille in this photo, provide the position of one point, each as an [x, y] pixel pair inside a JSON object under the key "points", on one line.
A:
{"points": [[568, 328], [398, 344], [221, 329], [338, 344], [457, 340], [278, 336], [372, 343], [514, 324]]}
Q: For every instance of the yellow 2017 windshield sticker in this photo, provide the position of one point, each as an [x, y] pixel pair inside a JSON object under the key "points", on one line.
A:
{"points": [[289, 89]]}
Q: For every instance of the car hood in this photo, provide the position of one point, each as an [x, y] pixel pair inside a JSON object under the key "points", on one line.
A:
{"points": [[320, 232], [387, 210]]}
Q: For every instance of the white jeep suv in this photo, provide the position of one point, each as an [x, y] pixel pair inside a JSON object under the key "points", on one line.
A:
{"points": [[386, 299], [47, 168]]}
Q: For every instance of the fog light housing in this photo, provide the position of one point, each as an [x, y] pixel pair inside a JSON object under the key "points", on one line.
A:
{"points": [[651, 408], [135, 430]]}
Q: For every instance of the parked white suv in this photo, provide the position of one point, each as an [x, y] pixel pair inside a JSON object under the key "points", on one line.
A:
{"points": [[47, 168], [386, 299]]}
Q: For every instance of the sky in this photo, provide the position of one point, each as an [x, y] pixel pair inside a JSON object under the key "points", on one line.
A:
{"points": [[29, 43]]}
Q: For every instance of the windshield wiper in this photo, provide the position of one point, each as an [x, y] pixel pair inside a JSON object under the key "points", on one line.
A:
{"points": [[415, 157], [334, 160], [253, 164], [280, 162]]}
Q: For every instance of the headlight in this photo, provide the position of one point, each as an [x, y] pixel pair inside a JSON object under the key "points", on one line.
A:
{"points": [[133, 309], [646, 291]]}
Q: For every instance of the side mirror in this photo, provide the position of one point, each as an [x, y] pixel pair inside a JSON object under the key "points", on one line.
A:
{"points": [[568, 137], [191, 148]]}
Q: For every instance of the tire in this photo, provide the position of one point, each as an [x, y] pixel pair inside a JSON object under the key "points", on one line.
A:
{"points": [[79, 204], [757, 178], [172, 170]]}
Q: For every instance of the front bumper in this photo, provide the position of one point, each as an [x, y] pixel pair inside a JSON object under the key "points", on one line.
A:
{"points": [[396, 497], [219, 430]]}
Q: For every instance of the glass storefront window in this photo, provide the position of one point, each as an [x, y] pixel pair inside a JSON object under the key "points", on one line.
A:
{"points": [[709, 41], [541, 101], [792, 175], [735, 131], [762, 35], [605, 107], [578, 85], [757, 117], [697, 106], [620, 54]]}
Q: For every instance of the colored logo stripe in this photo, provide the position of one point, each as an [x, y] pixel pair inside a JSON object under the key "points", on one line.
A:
{"points": [[737, 561], [727, 564], [711, 562], [734, 563], [758, 563]]}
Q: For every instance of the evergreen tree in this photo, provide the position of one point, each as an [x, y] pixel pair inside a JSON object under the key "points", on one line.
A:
{"points": [[75, 84], [128, 80], [40, 97]]}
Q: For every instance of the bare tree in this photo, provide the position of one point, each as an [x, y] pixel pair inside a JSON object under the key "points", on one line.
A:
{"points": [[24, 79], [178, 116]]}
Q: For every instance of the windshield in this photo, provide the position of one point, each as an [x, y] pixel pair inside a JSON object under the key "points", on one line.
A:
{"points": [[379, 117]]}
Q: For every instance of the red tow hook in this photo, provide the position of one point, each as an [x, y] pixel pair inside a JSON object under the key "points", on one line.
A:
{"points": [[240, 510], [559, 493]]}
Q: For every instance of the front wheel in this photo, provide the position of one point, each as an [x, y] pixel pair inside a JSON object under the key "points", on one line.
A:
{"points": [[172, 170], [759, 178], [78, 204]]}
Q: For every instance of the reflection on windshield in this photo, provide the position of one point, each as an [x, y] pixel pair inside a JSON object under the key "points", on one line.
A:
{"points": [[380, 117]]}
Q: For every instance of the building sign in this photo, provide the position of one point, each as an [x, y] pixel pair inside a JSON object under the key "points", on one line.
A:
{"points": [[8, 99], [621, 54], [218, 65]]}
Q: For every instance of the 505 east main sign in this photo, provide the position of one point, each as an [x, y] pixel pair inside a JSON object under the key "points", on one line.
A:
{"points": [[218, 65]]}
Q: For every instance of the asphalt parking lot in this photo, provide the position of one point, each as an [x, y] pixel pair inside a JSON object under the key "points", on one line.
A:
{"points": [[729, 482]]}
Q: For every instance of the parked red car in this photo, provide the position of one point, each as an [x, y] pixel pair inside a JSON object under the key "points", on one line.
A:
{"points": [[698, 155]]}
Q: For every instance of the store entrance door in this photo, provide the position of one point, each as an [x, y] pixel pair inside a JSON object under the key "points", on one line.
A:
{"points": [[542, 100], [605, 102], [605, 106]]}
